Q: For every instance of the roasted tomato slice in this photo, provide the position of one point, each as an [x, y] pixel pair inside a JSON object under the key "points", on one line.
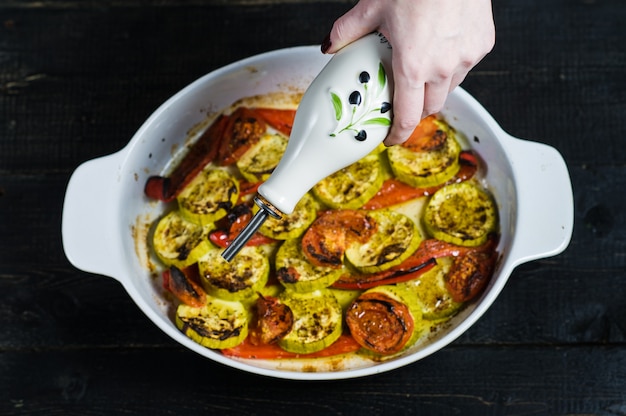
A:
{"points": [[469, 274], [379, 322], [275, 319], [325, 241]]}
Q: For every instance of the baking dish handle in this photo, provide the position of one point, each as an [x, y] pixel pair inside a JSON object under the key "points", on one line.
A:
{"points": [[545, 216], [91, 217]]}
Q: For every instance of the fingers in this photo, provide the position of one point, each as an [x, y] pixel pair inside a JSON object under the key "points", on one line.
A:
{"points": [[359, 21]]}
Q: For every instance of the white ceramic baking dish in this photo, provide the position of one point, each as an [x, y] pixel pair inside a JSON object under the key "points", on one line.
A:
{"points": [[105, 209]]}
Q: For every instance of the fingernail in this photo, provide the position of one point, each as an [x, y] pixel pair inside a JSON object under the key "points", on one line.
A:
{"points": [[326, 44]]}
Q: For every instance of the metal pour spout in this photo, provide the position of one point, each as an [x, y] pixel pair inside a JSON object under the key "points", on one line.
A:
{"points": [[265, 211]]}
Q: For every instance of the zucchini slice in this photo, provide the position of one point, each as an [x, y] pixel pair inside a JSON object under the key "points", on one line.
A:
{"points": [[294, 224], [395, 239], [258, 162], [238, 279], [296, 273], [422, 169], [178, 242], [352, 186], [432, 295], [317, 321], [218, 324], [209, 196], [462, 213]]}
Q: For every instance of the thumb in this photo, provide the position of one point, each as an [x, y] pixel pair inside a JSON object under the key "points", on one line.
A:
{"points": [[359, 21]]}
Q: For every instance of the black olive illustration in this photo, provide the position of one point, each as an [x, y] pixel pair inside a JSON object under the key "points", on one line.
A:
{"points": [[361, 136], [355, 98], [385, 107], [364, 77]]}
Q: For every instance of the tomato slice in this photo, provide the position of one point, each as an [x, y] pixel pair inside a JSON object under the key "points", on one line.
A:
{"points": [[251, 348], [326, 240], [279, 119], [379, 322]]}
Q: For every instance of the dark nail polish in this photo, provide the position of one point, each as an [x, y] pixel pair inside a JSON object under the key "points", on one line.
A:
{"points": [[326, 44]]}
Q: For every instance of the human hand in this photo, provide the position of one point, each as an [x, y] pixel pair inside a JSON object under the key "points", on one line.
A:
{"points": [[435, 44]]}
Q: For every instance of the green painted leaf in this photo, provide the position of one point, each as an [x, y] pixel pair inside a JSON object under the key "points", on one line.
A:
{"points": [[337, 105], [382, 77], [380, 121]]}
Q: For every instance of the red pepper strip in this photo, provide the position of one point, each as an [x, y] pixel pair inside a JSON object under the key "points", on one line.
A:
{"points": [[244, 129], [202, 152], [231, 225], [247, 349], [182, 285], [280, 119], [247, 188], [387, 277], [223, 239], [395, 192]]}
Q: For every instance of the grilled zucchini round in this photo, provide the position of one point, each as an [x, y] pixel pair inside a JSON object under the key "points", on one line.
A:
{"points": [[295, 272], [395, 239], [238, 279], [178, 242], [209, 196], [218, 324], [352, 186], [462, 213], [431, 167], [317, 321], [258, 162], [433, 297], [294, 224]]}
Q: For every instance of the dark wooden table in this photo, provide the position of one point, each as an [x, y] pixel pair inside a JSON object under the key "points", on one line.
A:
{"points": [[77, 78]]}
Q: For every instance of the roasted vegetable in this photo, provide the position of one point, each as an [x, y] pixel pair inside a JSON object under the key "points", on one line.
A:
{"points": [[259, 161], [428, 160], [244, 129], [463, 214], [209, 197], [274, 319], [239, 279], [470, 273], [201, 153], [381, 320], [178, 242], [317, 321], [183, 286], [352, 186], [324, 243], [292, 225], [296, 273], [217, 324], [434, 298], [395, 239]]}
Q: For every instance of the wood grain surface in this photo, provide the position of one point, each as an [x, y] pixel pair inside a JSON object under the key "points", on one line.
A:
{"points": [[77, 79]]}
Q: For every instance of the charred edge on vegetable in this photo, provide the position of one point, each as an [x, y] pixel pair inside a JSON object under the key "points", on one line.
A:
{"points": [[326, 257], [178, 278], [198, 325], [287, 275]]}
